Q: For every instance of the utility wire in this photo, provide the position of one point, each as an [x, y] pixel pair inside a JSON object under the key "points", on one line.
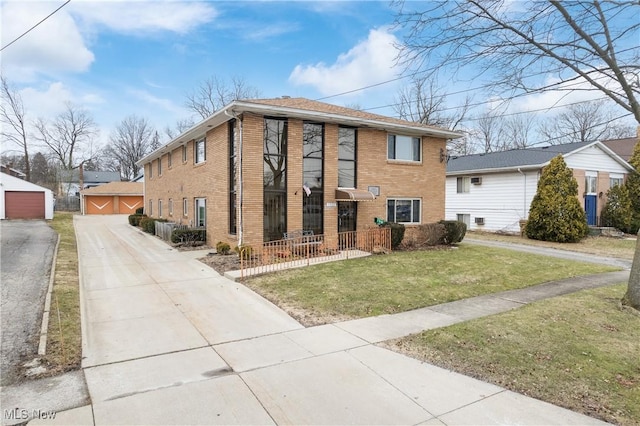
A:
{"points": [[32, 28]]}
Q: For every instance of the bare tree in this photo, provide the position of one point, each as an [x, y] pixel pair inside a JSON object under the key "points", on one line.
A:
{"points": [[573, 41], [12, 117], [214, 93], [131, 140], [517, 130], [180, 127], [583, 122], [489, 132], [71, 133]]}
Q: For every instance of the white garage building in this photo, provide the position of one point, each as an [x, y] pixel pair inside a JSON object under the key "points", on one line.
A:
{"points": [[20, 199]]}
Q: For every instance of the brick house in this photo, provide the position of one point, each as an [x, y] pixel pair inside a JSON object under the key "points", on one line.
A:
{"points": [[258, 168]]}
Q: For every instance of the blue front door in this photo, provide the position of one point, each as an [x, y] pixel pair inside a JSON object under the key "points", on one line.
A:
{"points": [[590, 203]]}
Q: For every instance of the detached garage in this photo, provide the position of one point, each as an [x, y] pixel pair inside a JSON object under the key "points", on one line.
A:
{"points": [[20, 199], [113, 198]]}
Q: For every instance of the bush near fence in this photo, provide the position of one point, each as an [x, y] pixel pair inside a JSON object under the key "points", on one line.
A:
{"points": [[189, 236]]}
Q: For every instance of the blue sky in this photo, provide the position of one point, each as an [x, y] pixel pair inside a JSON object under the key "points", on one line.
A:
{"points": [[117, 58]]}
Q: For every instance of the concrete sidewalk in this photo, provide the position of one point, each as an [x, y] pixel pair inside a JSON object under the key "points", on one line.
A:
{"points": [[167, 340]]}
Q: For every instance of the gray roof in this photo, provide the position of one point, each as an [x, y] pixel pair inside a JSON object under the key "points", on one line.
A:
{"points": [[511, 159]]}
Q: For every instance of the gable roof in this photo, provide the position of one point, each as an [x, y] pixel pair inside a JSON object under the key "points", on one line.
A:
{"points": [[514, 159], [116, 188], [13, 183], [304, 109], [622, 147]]}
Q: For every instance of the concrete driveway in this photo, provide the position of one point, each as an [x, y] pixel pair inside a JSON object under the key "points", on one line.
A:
{"points": [[27, 252], [167, 340]]}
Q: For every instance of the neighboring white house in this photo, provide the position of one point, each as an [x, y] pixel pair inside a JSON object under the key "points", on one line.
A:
{"points": [[493, 192], [20, 199]]}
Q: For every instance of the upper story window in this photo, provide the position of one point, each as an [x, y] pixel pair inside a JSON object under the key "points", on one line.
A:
{"points": [[463, 184], [184, 153], [169, 159], [591, 183], [160, 166], [615, 180], [346, 157], [150, 169], [404, 148], [200, 151]]}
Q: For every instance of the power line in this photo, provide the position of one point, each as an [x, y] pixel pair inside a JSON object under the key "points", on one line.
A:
{"points": [[32, 28]]}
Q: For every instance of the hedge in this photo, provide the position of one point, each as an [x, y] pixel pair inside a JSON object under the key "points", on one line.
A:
{"points": [[134, 219], [188, 236], [454, 231]]}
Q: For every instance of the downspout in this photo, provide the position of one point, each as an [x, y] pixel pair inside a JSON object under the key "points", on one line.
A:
{"points": [[240, 183], [524, 199]]}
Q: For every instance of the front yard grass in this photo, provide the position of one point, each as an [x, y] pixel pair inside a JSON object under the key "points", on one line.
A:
{"points": [[600, 246], [64, 336], [403, 281], [578, 351]]}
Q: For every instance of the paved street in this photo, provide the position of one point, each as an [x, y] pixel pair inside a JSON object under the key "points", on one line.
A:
{"points": [[27, 252], [167, 340]]}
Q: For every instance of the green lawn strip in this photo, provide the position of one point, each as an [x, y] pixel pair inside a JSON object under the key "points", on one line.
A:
{"points": [[64, 336], [403, 281], [601, 246], [578, 351]]}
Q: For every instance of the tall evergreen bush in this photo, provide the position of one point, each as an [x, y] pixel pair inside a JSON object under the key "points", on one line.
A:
{"points": [[556, 214], [632, 185], [617, 211]]}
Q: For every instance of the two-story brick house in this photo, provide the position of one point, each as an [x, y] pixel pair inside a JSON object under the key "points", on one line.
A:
{"points": [[258, 168]]}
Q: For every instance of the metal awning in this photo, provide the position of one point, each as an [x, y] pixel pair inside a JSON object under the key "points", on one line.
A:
{"points": [[353, 194]]}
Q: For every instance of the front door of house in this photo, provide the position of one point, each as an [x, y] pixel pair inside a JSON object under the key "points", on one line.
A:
{"points": [[347, 216], [591, 197]]}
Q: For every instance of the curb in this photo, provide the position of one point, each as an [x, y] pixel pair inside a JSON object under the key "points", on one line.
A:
{"points": [[42, 346]]}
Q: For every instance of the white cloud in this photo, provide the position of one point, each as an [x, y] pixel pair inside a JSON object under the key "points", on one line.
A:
{"points": [[135, 16], [369, 62], [53, 46], [156, 101], [51, 101]]}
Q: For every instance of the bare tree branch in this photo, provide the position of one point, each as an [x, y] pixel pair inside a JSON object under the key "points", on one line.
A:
{"points": [[12, 116], [214, 93]]}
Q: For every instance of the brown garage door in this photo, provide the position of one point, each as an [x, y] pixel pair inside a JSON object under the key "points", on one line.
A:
{"points": [[129, 204], [24, 205], [96, 204]]}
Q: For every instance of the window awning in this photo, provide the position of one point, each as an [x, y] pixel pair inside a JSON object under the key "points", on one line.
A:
{"points": [[352, 194]]}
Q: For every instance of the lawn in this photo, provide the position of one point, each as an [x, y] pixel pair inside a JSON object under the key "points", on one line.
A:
{"points": [[402, 281], [578, 351], [601, 246], [64, 337]]}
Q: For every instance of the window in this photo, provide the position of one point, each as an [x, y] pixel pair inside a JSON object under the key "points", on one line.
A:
{"points": [[346, 157], [233, 158], [464, 218], [275, 178], [185, 207], [170, 206], [160, 166], [169, 160], [591, 183], [201, 212], [159, 208], [150, 169], [200, 151], [184, 153], [403, 210], [615, 180], [463, 184], [150, 208], [404, 148], [312, 171]]}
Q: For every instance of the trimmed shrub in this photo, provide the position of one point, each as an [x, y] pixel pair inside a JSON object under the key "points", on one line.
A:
{"points": [[188, 236], [148, 224], [556, 214], [425, 235], [454, 231], [617, 211], [397, 233], [140, 210], [244, 251], [223, 248], [134, 219]]}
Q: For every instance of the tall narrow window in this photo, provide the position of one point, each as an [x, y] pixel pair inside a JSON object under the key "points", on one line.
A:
{"points": [[346, 157], [159, 208], [200, 150], [232, 178], [201, 212], [170, 206], [160, 166], [151, 170], [184, 153], [275, 178], [185, 207], [150, 208], [169, 159], [312, 172]]}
